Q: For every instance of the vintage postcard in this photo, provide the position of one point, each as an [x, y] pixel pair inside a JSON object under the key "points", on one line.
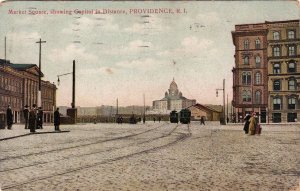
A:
{"points": [[149, 95]]}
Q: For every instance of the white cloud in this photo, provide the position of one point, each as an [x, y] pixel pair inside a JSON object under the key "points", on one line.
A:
{"points": [[149, 25], [86, 25], [132, 47], [64, 56], [143, 64], [101, 70]]}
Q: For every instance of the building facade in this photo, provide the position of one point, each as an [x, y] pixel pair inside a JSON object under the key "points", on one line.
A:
{"points": [[173, 100], [266, 73], [283, 70], [209, 114], [250, 91], [19, 87]]}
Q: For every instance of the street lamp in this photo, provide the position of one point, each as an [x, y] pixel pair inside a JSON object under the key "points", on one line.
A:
{"points": [[223, 89], [73, 83]]}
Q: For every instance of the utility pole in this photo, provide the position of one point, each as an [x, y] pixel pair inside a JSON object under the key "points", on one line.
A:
{"points": [[117, 108], [40, 75], [144, 117], [73, 89], [5, 49], [227, 107], [223, 89]]}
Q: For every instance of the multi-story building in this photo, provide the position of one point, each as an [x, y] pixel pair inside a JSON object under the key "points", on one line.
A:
{"points": [[19, 87], [269, 54], [250, 73], [283, 70], [173, 100]]}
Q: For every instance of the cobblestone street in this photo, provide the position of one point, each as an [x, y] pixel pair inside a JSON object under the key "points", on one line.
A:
{"points": [[151, 156]]}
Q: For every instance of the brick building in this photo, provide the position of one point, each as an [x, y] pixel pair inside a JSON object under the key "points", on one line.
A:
{"points": [[19, 87], [266, 76], [250, 91]]}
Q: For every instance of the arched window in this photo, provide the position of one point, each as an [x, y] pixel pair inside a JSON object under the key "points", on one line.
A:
{"points": [[276, 85], [292, 66], [249, 96], [292, 84], [246, 44], [257, 44], [246, 78], [257, 78], [276, 68], [292, 103], [257, 96], [276, 35], [291, 34], [246, 60], [257, 61], [276, 103]]}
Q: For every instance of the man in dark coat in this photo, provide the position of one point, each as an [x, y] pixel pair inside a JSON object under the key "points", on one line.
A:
{"points": [[56, 120], [202, 121], [32, 119], [9, 117], [40, 118], [26, 116], [247, 122]]}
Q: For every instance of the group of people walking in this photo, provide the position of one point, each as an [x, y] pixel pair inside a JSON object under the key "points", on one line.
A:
{"points": [[33, 118], [251, 126]]}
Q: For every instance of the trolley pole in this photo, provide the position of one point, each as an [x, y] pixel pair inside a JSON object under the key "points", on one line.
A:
{"points": [[223, 122], [39, 101]]}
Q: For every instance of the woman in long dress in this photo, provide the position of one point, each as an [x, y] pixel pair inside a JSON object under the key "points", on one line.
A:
{"points": [[252, 124]]}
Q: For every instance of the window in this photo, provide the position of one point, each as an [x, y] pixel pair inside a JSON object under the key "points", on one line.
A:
{"points": [[276, 36], [291, 34], [292, 103], [246, 44], [291, 66], [246, 60], [257, 78], [276, 104], [246, 96], [292, 84], [246, 78], [292, 51], [276, 85], [276, 51], [276, 68], [257, 97], [257, 44], [257, 61]]}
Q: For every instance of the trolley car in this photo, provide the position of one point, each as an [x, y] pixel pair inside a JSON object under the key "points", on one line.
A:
{"points": [[174, 117], [185, 116]]}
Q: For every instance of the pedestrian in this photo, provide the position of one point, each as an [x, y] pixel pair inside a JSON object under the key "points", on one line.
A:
{"points": [[154, 119], [32, 119], [252, 124], [247, 122], [26, 116], [159, 119], [227, 119], [40, 118], [9, 117], [202, 121], [56, 120]]}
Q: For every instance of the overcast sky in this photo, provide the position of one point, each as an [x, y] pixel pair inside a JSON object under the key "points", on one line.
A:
{"points": [[125, 55]]}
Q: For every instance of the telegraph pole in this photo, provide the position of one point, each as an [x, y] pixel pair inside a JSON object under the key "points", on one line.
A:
{"points": [[40, 75], [5, 49], [144, 117], [73, 89]]}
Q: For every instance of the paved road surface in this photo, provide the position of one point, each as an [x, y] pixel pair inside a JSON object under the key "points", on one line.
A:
{"points": [[151, 156]]}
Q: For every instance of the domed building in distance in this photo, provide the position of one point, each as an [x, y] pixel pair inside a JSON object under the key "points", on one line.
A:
{"points": [[173, 100]]}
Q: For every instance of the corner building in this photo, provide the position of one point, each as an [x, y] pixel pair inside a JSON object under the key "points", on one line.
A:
{"points": [[250, 71], [266, 76]]}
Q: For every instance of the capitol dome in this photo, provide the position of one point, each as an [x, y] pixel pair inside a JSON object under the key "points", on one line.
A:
{"points": [[173, 86]]}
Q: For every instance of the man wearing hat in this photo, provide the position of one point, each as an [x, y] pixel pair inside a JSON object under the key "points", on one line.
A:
{"points": [[26, 115]]}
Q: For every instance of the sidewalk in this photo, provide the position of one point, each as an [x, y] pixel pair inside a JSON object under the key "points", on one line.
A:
{"points": [[18, 130]]}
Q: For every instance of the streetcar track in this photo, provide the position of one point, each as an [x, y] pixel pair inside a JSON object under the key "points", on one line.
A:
{"points": [[178, 139], [83, 145], [95, 152]]}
